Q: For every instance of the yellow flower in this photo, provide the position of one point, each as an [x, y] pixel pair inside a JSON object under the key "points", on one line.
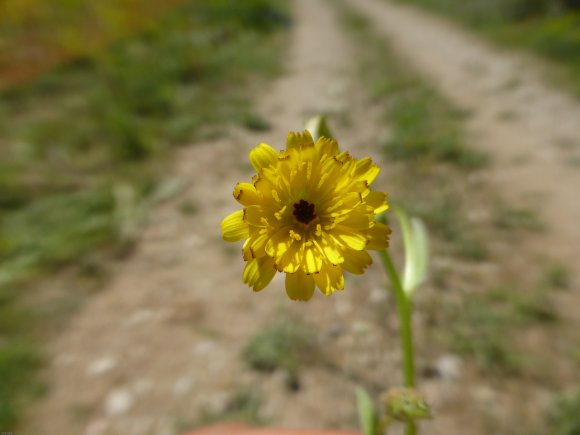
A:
{"points": [[309, 212]]}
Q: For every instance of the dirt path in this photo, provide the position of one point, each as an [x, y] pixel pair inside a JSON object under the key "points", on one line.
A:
{"points": [[531, 130], [163, 340]]}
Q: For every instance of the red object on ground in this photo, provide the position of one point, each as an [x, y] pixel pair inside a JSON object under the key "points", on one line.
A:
{"points": [[241, 429]]}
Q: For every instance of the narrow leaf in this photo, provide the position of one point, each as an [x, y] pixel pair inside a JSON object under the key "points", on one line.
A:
{"points": [[416, 251], [366, 412], [318, 127]]}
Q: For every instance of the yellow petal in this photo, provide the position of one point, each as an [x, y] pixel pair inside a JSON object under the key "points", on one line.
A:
{"points": [[329, 279], [299, 140], [378, 236], [259, 272], [332, 254], [356, 261], [311, 260], [234, 228], [246, 194], [254, 246], [299, 286], [344, 202], [348, 238], [377, 200], [254, 215], [326, 146], [291, 259], [279, 242], [263, 156], [366, 170], [361, 218]]}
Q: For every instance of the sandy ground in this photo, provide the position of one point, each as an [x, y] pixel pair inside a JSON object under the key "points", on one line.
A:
{"points": [[163, 340], [530, 129]]}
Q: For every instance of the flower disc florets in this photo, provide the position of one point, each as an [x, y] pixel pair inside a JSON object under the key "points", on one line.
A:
{"points": [[309, 212]]}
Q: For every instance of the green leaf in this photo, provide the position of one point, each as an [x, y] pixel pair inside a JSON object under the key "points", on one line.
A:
{"points": [[366, 412], [318, 127], [416, 251]]}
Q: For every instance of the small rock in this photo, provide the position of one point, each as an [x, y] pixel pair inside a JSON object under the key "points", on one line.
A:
{"points": [[448, 367], [118, 402], [378, 294], [182, 386], [102, 365], [203, 347]]}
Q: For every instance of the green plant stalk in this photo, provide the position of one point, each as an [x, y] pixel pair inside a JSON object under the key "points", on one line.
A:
{"points": [[405, 329]]}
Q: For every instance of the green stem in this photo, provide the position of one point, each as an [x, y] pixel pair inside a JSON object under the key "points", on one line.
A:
{"points": [[405, 329]]}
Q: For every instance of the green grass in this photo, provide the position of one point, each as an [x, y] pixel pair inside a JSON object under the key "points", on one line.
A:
{"points": [[426, 128], [517, 219], [484, 326], [242, 407], [283, 345], [85, 148], [556, 277], [563, 415], [550, 28]]}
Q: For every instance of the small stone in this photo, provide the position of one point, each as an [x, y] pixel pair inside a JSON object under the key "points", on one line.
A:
{"points": [[378, 294], [118, 402], [182, 386], [449, 367], [203, 347], [102, 365]]}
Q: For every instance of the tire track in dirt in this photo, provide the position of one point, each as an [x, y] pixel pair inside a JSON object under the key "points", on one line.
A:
{"points": [[530, 130], [163, 340]]}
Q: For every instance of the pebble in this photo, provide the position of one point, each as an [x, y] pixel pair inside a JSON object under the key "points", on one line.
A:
{"points": [[448, 367], [118, 402], [203, 347], [378, 294], [102, 365], [182, 386]]}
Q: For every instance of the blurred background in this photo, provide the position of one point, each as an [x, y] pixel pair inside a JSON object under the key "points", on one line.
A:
{"points": [[125, 124]]}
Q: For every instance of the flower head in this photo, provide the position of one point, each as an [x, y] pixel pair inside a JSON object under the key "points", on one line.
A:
{"points": [[310, 213]]}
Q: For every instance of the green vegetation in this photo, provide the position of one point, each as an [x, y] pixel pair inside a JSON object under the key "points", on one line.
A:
{"points": [[563, 417], [84, 148], [484, 326], [444, 212], [283, 346], [548, 27], [242, 407], [425, 126], [426, 134], [516, 219], [557, 277]]}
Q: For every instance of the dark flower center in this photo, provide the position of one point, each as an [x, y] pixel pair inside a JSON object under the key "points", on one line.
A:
{"points": [[304, 211]]}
